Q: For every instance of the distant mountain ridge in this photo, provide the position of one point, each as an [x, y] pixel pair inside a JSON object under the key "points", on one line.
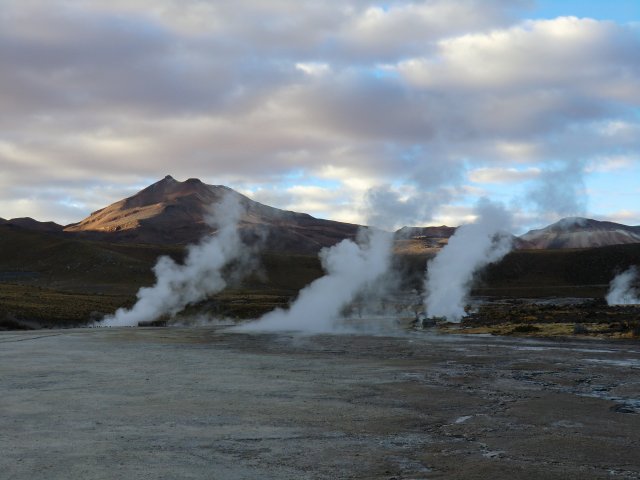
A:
{"points": [[173, 212], [578, 232], [29, 223]]}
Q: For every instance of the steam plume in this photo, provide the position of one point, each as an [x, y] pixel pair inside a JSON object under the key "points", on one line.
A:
{"points": [[350, 267], [198, 277], [560, 191], [473, 246], [386, 208], [621, 289]]}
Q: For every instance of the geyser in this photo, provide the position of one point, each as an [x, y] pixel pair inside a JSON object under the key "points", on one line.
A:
{"points": [[472, 247], [201, 274], [622, 290], [350, 268]]}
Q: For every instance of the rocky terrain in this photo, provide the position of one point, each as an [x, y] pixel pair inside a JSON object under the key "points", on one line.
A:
{"points": [[551, 317]]}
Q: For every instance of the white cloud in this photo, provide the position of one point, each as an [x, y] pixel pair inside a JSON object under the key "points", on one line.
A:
{"points": [[334, 203], [313, 68], [502, 175], [409, 27], [517, 151], [537, 55], [626, 217], [612, 163], [453, 215], [355, 179], [619, 130]]}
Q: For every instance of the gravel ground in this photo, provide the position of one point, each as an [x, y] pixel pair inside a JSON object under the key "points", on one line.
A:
{"points": [[203, 403]]}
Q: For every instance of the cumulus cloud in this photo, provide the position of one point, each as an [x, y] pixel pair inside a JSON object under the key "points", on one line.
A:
{"points": [[411, 98], [536, 78], [502, 175], [410, 27], [534, 55]]}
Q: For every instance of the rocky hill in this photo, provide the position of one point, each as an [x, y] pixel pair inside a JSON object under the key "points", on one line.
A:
{"points": [[577, 232], [174, 212]]}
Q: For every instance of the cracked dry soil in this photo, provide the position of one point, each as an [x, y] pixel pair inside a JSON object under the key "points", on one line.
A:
{"points": [[202, 403]]}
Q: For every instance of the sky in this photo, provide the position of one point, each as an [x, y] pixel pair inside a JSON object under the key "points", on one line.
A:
{"points": [[387, 113]]}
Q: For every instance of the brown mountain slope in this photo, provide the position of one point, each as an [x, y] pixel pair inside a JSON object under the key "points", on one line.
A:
{"points": [[581, 233], [173, 212]]}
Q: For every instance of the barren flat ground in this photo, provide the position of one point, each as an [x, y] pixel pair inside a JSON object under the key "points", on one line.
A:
{"points": [[205, 403]]}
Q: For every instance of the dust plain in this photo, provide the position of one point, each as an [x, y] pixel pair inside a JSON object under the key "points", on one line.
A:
{"points": [[205, 403]]}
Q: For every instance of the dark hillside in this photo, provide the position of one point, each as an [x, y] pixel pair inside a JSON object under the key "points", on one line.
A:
{"points": [[572, 272], [48, 279], [56, 262]]}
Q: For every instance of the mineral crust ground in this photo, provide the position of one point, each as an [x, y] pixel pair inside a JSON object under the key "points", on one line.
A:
{"points": [[206, 403]]}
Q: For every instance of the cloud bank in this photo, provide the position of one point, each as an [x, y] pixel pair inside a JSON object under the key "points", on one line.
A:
{"points": [[358, 99]]}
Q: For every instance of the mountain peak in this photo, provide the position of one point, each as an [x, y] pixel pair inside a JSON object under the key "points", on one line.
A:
{"points": [[158, 205], [169, 190], [171, 211], [579, 232]]}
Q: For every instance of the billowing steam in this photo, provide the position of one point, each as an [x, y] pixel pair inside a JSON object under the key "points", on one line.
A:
{"points": [[621, 289], [386, 208], [350, 267], [473, 246], [178, 285], [560, 191]]}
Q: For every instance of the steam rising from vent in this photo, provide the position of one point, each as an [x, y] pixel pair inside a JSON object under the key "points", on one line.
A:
{"points": [[472, 247], [622, 290], [350, 268], [386, 208], [560, 191], [198, 277]]}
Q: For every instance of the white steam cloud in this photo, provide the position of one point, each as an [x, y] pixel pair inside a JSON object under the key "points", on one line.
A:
{"points": [[472, 247], [350, 268], [622, 290], [560, 191], [201, 274]]}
